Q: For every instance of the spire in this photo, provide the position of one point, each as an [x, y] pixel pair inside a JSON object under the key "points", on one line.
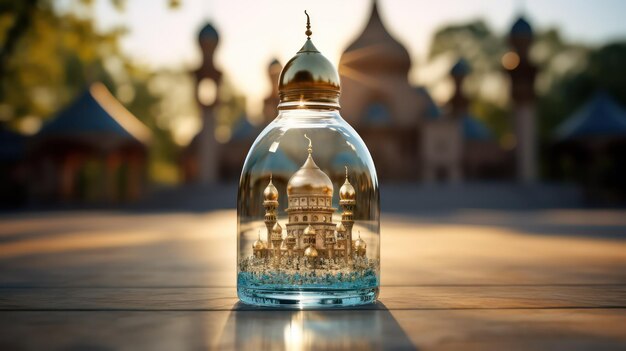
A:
{"points": [[308, 26], [310, 148]]}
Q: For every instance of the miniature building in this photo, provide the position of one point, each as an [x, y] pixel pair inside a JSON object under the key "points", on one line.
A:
{"points": [[311, 232]]}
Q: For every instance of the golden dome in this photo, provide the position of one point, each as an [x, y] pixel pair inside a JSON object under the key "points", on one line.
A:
{"points": [[309, 179], [360, 244], [308, 79], [258, 245], [277, 229], [270, 193], [310, 252], [309, 230], [346, 192], [341, 228]]}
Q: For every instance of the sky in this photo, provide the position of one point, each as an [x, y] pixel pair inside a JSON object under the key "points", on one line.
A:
{"points": [[253, 32]]}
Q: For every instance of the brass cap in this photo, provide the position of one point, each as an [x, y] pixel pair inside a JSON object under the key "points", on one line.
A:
{"points": [[309, 80]]}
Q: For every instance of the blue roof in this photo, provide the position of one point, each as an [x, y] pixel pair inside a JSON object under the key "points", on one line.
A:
{"points": [[243, 129], [88, 116], [377, 113], [474, 129], [599, 116]]}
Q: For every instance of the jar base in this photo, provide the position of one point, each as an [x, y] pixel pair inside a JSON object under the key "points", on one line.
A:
{"points": [[307, 298]]}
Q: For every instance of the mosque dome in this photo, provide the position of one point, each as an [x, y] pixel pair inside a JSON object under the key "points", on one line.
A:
{"points": [[208, 33], [270, 193], [310, 252], [258, 245], [309, 230], [360, 244], [309, 180], [341, 228], [277, 229], [346, 192], [375, 48]]}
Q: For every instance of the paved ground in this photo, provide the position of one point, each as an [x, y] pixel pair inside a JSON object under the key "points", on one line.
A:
{"points": [[470, 279]]}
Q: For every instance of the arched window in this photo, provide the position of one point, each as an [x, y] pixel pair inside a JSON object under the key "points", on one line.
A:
{"points": [[295, 219], [305, 218]]}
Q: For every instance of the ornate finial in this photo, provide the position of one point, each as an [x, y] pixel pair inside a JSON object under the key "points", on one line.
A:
{"points": [[259, 234], [270, 178], [308, 26], [359, 234], [346, 171], [310, 148]]}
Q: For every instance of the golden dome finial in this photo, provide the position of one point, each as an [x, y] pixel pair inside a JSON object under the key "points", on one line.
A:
{"points": [[270, 193], [344, 166], [310, 148], [347, 192], [308, 26]]}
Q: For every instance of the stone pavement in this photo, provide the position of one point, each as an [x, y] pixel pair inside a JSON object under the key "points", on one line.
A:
{"points": [[468, 279]]}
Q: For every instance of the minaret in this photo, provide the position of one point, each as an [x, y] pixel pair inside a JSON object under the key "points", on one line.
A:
{"points": [[270, 104], [522, 73], [290, 242], [207, 82], [258, 247], [347, 201], [341, 238], [270, 202], [277, 238]]}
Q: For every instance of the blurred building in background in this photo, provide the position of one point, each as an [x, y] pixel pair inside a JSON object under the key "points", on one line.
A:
{"points": [[538, 126], [523, 72], [94, 150], [408, 136]]}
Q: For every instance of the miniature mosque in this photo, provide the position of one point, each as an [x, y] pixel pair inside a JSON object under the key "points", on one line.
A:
{"points": [[311, 233]]}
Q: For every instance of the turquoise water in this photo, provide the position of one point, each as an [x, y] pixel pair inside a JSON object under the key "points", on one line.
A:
{"points": [[320, 280]]}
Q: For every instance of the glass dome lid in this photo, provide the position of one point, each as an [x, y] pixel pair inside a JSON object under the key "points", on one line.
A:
{"points": [[308, 202]]}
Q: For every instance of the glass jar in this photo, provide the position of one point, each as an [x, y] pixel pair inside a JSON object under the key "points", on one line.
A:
{"points": [[308, 202]]}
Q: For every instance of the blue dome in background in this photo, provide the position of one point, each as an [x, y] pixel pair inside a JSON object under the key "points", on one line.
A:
{"points": [[461, 68], [521, 28], [474, 129], [208, 33]]}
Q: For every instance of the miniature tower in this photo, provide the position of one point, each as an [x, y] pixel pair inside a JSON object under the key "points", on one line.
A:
{"points": [[360, 246], [310, 239], [270, 195], [522, 73], [290, 243], [207, 81], [258, 247], [329, 243], [277, 238], [341, 239], [347, 201]]}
